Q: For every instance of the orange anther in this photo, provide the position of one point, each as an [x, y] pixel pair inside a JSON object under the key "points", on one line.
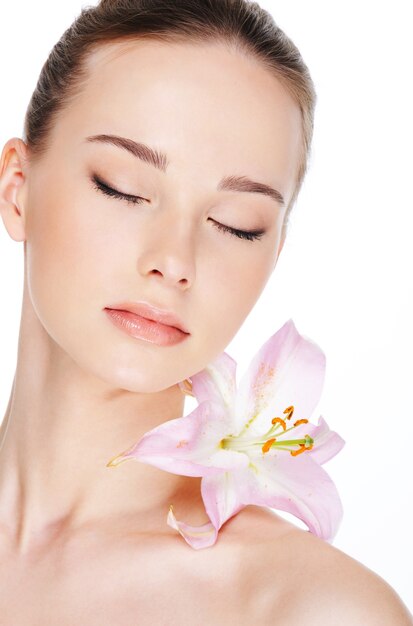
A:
{"points": [[278, 420], [267, 445], [186, 387], [300, 449], [289, 410], [302, 421]]}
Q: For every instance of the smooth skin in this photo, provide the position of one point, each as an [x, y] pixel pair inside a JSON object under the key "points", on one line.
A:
{"points": [[84, 543]]}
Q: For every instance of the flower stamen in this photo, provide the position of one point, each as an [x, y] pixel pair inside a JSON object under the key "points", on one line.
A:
{"points": [[307, 445], [186, 387], [267, 445], [300, 449], [267, 441], [301, 421], [279, 420]]}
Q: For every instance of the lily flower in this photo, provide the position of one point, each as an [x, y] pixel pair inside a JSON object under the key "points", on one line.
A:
{"points": [[253, 444]]}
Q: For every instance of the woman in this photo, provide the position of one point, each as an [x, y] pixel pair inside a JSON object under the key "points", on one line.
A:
{"points": [[126, 193]]}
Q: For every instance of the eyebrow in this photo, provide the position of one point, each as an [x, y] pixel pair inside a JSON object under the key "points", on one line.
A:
{"points": [[160, 161]]}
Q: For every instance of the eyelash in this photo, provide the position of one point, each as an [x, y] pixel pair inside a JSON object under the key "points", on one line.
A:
{"points": [[249, 235]]}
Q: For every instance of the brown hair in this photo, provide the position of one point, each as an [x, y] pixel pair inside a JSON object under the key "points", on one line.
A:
{"points": [[240, 23]]}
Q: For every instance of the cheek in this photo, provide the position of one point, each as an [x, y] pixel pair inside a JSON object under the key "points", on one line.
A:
{"points": [[62, 247], [66, 258], [232, 284]]}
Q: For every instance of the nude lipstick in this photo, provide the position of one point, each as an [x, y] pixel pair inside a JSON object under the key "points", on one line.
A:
{"points": [[144, 321]]}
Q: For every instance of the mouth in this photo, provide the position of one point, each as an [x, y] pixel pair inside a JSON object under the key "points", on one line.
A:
{"points": [[152, 313], [150, 323], [148, 330]]}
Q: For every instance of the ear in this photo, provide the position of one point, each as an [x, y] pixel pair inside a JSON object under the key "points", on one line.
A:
{"points": [[13, 170]]}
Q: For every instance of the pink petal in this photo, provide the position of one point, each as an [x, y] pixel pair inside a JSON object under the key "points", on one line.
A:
{"points": [[287, 370], [297, 485], [217, 381], [327, 443], [188, 445], [220, 497], [196, 536], [221, 494]]}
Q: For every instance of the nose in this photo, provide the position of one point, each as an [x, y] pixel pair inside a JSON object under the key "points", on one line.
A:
{"points": [[170, 256]]}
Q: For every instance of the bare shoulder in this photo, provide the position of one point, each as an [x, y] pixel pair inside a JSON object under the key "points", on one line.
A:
{"points": [[295, 578]]}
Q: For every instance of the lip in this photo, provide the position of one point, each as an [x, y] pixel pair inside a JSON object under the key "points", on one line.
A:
{"points": [[143, 328], [151, 312]]}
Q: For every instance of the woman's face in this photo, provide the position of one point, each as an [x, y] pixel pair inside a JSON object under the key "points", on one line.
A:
{"points": [[214, 114]]}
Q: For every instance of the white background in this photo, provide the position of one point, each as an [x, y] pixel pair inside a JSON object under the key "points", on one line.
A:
{"points": [[344, 275]]}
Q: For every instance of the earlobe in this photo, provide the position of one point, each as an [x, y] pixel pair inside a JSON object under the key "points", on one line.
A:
{"points": [[12, 177]]}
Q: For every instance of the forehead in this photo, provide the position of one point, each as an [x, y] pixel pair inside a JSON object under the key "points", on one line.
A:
{"points": [[203, 104]]}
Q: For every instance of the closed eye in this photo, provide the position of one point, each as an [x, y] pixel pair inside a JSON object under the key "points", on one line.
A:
{"points": [[98, 184], [109, 191], [242, 234]]}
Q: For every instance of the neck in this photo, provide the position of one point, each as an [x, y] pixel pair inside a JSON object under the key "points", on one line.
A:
{"points": [[60, 429]]}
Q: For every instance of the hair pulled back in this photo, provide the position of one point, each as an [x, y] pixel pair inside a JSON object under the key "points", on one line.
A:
{"points": [[242, 24]]}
